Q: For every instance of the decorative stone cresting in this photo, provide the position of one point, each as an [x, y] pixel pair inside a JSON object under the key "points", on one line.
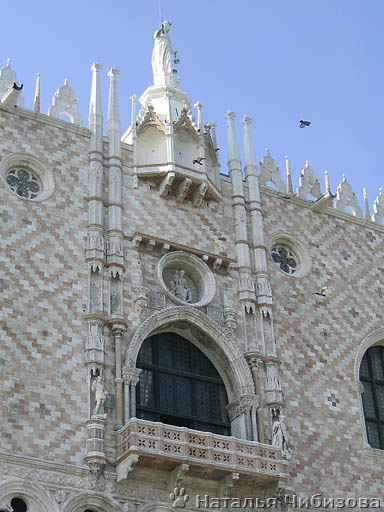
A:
{"points": [[64, 102], [270, 172], [8, 78], [186, 279], [308, 183], [378, 208], [346, 198]]}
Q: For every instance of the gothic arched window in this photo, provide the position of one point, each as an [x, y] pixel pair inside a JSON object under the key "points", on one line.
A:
{"points": [[372, 378], [180, 386]]}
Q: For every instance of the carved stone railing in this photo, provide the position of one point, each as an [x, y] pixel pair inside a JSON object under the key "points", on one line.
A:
{"points": [[182, 445]]}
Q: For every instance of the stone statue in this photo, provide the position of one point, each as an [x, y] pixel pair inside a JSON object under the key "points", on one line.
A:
{"points": [[100, 394], [179, 286], [162, 56], [280, 436]]}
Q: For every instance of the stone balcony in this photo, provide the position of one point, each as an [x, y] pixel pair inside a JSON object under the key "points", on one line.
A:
{"points": [[207, 455]]}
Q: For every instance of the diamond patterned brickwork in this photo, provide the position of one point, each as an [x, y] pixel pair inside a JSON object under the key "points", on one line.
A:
{"points": [[43, 400], [317, 343]]}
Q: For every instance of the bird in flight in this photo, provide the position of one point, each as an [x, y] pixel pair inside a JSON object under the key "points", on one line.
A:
{"points": [[303, 124], [199, 160], [322, 291]]}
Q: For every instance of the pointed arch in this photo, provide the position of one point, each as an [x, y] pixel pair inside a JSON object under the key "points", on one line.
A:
{"points": [[35, 496], [207, 335], [91, 500]]}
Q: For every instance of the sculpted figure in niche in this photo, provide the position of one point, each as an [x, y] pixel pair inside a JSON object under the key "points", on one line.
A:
{"points": [[100, 395], [162, 56], [179, 286], [280, 436]]}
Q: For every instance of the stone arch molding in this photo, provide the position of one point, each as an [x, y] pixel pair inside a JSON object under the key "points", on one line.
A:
{"points": [[35, 496], [153, 507], [231, 363], [92, 500]]}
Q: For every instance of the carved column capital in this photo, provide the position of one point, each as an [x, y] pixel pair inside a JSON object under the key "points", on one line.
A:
{"points": [[131, 376], [118, 330]]}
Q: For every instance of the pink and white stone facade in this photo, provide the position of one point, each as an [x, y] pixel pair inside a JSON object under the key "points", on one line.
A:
{"points": [[80, 291]]}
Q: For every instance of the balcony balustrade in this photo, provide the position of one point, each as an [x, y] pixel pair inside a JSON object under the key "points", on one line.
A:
{"points": [[203, 451]]}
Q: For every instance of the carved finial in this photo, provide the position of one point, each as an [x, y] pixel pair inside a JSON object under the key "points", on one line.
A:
{"points": [[230, 115], [366, 205], [306, 163], [344, 178], [198, 106], [268, 152], [289, 177], [327, 184], [36, 100], [8, 63], [247, 120]]}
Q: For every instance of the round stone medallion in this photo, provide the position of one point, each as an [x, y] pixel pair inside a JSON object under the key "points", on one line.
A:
{"points": [[186, 279]]}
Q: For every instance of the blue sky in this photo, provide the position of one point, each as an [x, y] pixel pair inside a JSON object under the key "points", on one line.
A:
{"points": [[277, 61]]}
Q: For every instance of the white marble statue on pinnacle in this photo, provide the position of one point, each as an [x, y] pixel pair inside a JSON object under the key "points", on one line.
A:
{"points": [[162, 55]]}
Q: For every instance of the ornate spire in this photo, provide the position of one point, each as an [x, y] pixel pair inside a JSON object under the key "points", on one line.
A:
{"points": [[366, 205], [113, 123], [289, 177], [95, 119], [233, 147], [249, 151], [36, 101]]}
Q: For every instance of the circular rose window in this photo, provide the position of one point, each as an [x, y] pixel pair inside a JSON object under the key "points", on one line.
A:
{"points": [[26, 177], [285, 258], [23, 183], [186, 279], [290, 255]]}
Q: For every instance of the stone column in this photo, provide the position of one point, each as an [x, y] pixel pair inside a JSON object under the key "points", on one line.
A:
{"points": [[131, 378], [117, 332]]}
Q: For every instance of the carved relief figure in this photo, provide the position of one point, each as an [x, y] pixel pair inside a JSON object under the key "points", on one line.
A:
{"points": [[100, 394], [179, 286], [162, 56]]}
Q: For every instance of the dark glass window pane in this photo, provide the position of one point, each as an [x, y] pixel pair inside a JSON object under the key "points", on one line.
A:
{"points": [[183, 396], [203, 408], [182, 356], [146, 395], [369, 408], [166, 392], [165, 354], [373, 434], [180, 385], [145, 415], [376, 363], [364, 370], [146, 352], [202, 365], [215, 429], [380, 399]]}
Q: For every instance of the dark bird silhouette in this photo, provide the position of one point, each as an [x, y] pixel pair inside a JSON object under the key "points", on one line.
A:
{"points": [[217, 149], [199, 160], [303, 124], [17, 87]]}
